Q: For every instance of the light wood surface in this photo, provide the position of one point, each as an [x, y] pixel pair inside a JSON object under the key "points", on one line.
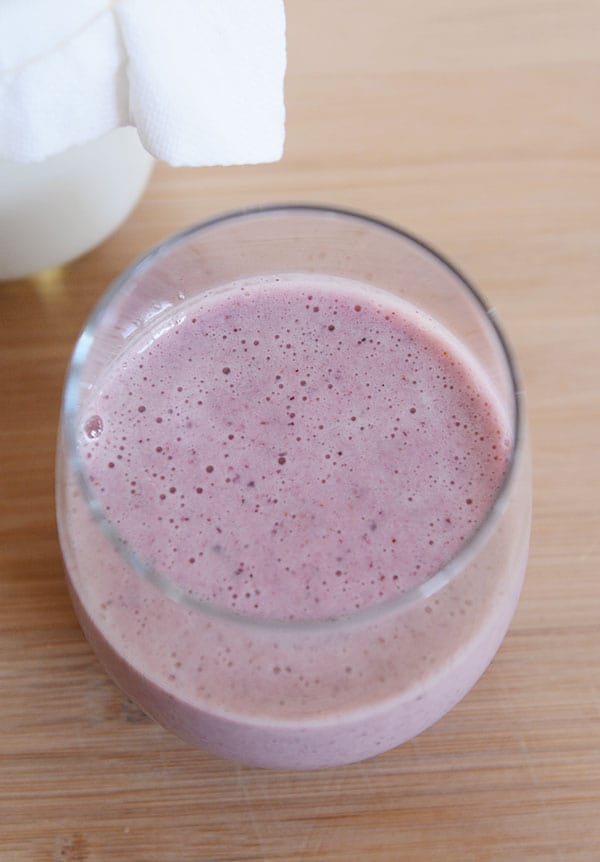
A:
{"points": [[476, 124]]}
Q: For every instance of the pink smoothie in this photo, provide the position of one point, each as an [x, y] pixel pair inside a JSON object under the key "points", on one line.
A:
{"points": [[293, 449]]}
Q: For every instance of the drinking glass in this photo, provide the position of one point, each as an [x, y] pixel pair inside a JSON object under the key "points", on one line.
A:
{"points": [[272, 692]]}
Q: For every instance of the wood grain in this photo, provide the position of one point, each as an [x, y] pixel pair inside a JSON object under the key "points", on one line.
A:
{"points": [[476, 124]]}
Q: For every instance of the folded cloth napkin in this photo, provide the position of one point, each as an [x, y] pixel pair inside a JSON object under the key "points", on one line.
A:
{"points": [[201, 80]]}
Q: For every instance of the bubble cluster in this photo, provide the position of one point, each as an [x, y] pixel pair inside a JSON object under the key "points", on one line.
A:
{"points": [[286, 450]]}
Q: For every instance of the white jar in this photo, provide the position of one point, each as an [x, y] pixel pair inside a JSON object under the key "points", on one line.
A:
{"points": [[55, 210]]}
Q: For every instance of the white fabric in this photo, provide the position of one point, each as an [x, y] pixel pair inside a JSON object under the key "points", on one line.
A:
{"points": [[201, 80]]}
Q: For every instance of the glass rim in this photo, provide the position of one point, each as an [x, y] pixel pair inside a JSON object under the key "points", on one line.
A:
{"points": [[440, 578]]}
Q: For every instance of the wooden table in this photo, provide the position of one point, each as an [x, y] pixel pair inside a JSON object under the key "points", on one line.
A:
{"points": [[476, 124]]}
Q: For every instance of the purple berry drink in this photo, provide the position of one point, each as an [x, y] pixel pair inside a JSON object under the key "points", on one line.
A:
{"points": [[277, 517]]}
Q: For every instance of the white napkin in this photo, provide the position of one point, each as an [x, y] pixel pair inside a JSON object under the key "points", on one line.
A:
{"points": [[201, 80]]}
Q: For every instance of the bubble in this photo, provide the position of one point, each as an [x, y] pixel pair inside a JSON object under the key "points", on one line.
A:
{"points": [[93, 427]]}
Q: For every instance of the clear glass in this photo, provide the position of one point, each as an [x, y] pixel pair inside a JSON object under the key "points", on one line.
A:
{"points": [[279, 693]]}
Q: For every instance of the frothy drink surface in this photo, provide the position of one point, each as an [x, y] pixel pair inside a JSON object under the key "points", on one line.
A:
{"points": [[295, 449]]}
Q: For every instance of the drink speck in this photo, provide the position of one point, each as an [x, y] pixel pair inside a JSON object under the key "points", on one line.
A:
{"points": [[93, 427]]}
